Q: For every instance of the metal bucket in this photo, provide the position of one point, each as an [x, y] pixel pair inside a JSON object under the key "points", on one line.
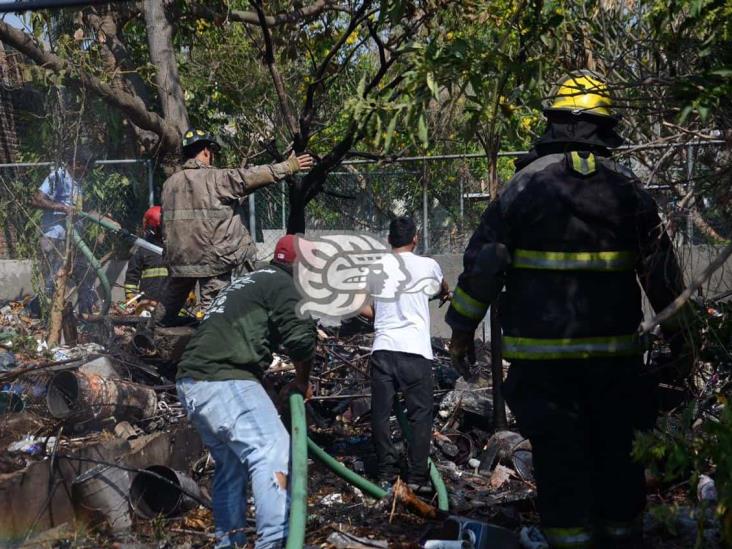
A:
{"points": [[151, 497], [100, 497], [81, 397]]}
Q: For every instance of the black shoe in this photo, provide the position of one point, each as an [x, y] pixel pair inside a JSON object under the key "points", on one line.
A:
{"points": [[422, 489]]}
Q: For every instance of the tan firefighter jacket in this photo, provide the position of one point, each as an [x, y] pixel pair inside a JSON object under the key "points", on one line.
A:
{"points": [[203, 222]]}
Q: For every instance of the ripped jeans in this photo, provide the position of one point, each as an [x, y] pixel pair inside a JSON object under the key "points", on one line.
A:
{"points": [[241, 427]]}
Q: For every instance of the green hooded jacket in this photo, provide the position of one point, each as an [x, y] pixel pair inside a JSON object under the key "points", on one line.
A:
{"points": [[245, 324]]}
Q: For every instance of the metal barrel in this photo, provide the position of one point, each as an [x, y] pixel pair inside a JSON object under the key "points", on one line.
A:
{"points": [[100, 497], [151, 496], [82, 396]]}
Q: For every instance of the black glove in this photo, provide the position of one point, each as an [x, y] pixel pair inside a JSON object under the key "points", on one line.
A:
{"points": [[462, 352]]}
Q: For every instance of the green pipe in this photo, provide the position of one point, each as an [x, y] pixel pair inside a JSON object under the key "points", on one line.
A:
{"points": [[443, 503], [94, 262], [345, 473], [299, 475], [100, 221], [118, 230]]}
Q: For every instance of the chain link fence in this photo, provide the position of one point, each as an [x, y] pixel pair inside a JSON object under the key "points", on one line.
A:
{"points": [[120, 189], [446, 196]]}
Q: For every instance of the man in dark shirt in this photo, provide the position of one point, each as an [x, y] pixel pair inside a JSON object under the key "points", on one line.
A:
{"points": [[218, 381]]}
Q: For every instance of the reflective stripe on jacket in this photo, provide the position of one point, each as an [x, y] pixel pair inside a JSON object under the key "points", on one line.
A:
{"points": [[570, 238]]}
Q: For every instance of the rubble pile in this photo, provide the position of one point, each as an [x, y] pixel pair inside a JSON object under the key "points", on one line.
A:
{"points": [[93, 434]]}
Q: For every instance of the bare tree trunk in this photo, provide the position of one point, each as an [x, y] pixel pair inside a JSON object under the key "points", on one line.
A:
{"points": [[296, 217], [160, 42], [55, 322]]}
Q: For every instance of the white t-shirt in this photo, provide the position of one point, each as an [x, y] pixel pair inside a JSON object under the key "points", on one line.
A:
{"points": [[401, 285]]}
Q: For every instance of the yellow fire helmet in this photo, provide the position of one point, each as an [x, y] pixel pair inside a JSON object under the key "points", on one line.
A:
{"points": [[581, 92]]}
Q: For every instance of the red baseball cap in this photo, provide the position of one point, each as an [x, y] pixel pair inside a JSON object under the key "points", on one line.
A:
{"points": [[285, 250]]}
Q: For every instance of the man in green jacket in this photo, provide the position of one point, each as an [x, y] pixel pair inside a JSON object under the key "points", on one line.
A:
{"points": [[218, 382]]}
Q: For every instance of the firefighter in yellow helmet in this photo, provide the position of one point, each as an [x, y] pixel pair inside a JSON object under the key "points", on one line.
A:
{"points": [[570, 238]]}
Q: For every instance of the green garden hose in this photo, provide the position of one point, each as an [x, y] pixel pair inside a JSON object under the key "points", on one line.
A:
{"points": [[345, 473], [94, 262], [299, 475], [443, 503]]}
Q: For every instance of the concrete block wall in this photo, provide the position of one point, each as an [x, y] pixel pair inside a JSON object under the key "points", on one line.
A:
{"points": [[15, 280]]}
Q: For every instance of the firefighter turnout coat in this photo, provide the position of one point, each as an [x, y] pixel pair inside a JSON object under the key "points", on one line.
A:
{"points": [[573, 237], [203, 224]]}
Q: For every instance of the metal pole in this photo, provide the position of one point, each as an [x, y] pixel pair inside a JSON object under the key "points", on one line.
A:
{"points": [[499, 406], [462, 205], [252, 217], [425, 213], [283, 187], [689, 189], [150, 183]]}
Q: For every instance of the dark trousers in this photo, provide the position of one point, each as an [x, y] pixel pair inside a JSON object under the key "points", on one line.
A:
{"points": [[580, 416], [392, 371], [176, 293]]}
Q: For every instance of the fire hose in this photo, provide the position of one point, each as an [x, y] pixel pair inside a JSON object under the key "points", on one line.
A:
{"points": [[299, 481], [301, 444], [124, 233], [435, 477], [94, 262]]}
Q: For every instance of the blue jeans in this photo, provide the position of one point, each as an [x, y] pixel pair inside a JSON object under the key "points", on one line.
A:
{"points": [[241, 427]]}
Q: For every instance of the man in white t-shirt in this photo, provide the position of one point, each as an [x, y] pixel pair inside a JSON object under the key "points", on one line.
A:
{"points": [[401, 285]]}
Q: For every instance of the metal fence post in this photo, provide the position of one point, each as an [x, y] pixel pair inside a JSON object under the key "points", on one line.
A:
{"points": [[150, 182], [252, 217], [689, 189], [283, 187], [425, 212]]}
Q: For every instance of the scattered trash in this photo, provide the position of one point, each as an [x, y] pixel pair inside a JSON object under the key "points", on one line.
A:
{"points": [[33, 445], [10, 402], [344, 540], [531, 537], [126, 431], [7, 360], [330, 499], [706, 490], [81, 397], [466, 533]]}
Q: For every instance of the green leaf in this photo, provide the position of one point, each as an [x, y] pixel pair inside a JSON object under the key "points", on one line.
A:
{"points": [[422, 130], [390, 131], [432, 85]]}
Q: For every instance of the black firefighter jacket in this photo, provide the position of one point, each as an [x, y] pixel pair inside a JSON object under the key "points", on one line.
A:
{"points": [[574, 238]]}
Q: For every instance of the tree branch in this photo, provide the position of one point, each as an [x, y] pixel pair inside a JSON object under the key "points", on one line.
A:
{"points": [[680, 301], [131, 106], [318, 77], [298, 14], [162, 54], [276, 76]]}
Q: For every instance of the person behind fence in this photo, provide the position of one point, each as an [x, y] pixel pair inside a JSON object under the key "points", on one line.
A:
{"points": [[401, 285], [59, 195], [218, 381], [574, 237], [204, 234], [146, 277]]}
